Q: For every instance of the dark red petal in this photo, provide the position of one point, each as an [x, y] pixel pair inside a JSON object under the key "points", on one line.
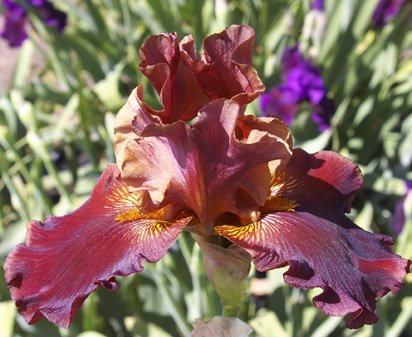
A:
{"points": [[203, 166], [226, 70], [353, 267], [66, 258], [323, 183], [177, 87]]}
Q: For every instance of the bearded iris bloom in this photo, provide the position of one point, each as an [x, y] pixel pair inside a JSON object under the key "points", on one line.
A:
{"points": [[199, 164]]}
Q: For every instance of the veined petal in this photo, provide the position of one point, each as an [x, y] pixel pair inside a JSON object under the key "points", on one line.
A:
{"points": [[323, 183], [203, 166], [131, 120], [352, 266], [176, 85], [66, 258], [226, 69], [185, 82]]}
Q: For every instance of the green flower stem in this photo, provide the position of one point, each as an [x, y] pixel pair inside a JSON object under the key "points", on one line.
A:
{"points": [[230, 310], [194, 273]]}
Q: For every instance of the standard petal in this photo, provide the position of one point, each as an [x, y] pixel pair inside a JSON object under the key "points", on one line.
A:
{"points": [[204, 166], [353, 267], [323, 183], [179, 91], [226, 69], [131, 120], [66, 258]]}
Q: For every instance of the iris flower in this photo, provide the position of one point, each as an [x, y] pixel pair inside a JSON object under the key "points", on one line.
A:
{"points": [[303, 82], [199, 164], [14, 30]]}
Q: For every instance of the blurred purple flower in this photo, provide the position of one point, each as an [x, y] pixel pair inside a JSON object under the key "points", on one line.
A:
{"points": [[302, 77], [280, 101], [399, 216], [318, 5], [14, 30], [14, 23], [386, 10], [52, 16], [303, 82], [322, 113]]}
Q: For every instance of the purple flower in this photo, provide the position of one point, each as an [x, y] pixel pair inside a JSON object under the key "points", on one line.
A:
{"points": [[51, 16], [385, 11], [279, 102], [399, 217], [322, 113], [37, 3], [318, 5], [303, 82], [14, 24], [14, 30], [302, 77]]}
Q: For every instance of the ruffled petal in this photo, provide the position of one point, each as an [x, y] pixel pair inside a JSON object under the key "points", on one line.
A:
{"points": [[176, 85], [226, 69], [323, 183], [203, 166], [131, 120], [66, 258], [353, 267]]}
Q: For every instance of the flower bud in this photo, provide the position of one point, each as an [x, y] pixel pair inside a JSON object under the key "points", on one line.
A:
{"points": [[227, 269]]}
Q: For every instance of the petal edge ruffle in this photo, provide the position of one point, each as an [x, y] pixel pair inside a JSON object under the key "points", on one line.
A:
{"points": [[66, 258], [353, 267]]}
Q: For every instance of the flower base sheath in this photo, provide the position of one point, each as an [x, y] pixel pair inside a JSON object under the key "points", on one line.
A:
{"points": [[199, 164]]}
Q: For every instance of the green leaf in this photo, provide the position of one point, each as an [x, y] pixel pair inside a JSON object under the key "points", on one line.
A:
{"points": [[265, 323], [108, 89], [140, 328]]}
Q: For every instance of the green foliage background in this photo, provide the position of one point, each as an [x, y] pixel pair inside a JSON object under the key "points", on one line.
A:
{"points": [[56, 133]]}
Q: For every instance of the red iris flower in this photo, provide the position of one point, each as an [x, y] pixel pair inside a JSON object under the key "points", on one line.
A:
{"points": [[223, 174]]}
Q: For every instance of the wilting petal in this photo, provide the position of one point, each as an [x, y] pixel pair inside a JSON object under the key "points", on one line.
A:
{"points": [[323, 183], [226, 69], [203, 166], [353, 267], [66, 258], [176, 85]]}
